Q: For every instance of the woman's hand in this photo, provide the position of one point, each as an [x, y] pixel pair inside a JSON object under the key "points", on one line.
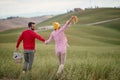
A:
{"points": [[75, 19]]}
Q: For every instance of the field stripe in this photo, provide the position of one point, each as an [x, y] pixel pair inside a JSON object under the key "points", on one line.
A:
{"points": [[103, 21]]}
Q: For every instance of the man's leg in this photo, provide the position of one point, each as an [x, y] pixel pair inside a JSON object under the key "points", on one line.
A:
{"points": [[26, 61], [31, 58]]}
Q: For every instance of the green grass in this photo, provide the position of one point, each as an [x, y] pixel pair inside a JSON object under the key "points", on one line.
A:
{"points": [[94, 52], [83, 63], [113, 25]]}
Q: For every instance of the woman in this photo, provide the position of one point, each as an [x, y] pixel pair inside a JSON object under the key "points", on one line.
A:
{"points": [[60, 42]]}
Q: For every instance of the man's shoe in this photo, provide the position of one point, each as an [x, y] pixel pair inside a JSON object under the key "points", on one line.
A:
{"points": [[23, 72]]}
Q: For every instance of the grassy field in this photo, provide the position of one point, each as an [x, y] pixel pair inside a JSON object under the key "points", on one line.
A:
{"points": [[94, 52]]}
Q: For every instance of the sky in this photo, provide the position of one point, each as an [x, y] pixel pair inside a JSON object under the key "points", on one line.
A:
{"points": [[31, 8]]}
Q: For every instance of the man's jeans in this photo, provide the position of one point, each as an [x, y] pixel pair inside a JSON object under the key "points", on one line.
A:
{"points": [[28, 57]]}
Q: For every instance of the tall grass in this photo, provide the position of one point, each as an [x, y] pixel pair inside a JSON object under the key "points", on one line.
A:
{"points": [[83, 63]]}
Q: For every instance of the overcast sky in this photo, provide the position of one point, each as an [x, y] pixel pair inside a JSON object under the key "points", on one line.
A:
{"points": [[29, 8]]}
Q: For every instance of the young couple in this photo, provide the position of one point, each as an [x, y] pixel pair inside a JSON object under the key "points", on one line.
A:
{"points": [[28, 37]]}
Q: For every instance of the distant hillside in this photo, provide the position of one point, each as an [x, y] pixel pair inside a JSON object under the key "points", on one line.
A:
{"points": [[81, 34], [17, 22], [86, 16]]}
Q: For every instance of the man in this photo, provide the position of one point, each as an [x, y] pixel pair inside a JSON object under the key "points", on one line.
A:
{"points": [[28, 37]]}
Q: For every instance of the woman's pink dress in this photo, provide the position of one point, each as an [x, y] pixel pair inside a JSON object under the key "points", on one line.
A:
{"points": [[60, 39]]}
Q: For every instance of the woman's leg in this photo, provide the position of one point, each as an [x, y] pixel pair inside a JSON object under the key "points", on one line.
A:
{"points": [[59, 58], [62, 59]]}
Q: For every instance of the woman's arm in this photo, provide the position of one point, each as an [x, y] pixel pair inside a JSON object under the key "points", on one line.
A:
{"points": [[50, 39], [66, 24]]}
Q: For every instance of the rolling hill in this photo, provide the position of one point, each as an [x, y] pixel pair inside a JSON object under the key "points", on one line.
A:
{"points": [[101, 34], [18, 22], [80, 33], [87, 16]]}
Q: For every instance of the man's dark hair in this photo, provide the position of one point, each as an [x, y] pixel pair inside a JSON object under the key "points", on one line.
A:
{"points": [[30, 24]]}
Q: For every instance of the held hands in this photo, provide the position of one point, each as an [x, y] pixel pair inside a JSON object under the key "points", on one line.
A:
{"points": [[46, 42]]}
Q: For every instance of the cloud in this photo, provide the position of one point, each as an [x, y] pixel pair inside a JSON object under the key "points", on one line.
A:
{"points": [[16, 7], [11, 7]]}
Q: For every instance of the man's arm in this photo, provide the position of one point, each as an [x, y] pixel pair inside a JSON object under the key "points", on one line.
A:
{"points": [[19, 41], [38, 37]]}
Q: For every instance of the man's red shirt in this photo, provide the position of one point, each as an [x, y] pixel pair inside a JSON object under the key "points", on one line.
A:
{"points": [[28, 37]]}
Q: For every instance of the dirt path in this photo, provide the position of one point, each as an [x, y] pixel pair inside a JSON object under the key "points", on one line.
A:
{"points": [[105, 21]]}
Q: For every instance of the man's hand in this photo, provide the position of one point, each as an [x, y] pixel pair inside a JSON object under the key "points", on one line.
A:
{"points": [[17, 49]]}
